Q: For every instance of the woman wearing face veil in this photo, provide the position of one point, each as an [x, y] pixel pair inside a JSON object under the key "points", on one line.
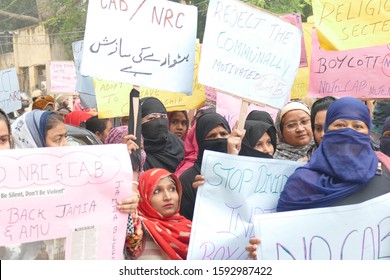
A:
{"points": [[343, 170], [163, 148], [212, 131]]}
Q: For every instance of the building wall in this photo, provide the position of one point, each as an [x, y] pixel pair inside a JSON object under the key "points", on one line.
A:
{"points": [[7, 60], [33, 49]]}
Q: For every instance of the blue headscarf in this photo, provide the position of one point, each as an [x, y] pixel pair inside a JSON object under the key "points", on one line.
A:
{"points": [[343, 163]]}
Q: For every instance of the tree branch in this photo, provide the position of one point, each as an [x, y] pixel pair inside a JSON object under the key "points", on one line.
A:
{"points": [[19, 17]]}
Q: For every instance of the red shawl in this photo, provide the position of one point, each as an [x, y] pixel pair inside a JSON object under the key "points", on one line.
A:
{"points": [[172, 234]]}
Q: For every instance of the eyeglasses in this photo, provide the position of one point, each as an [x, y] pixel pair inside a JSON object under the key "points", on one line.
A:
{"points": [[294, 125], [153, 116]]}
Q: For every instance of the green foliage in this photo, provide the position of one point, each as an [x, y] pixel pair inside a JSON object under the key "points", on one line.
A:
{"points": [[68, 24]]}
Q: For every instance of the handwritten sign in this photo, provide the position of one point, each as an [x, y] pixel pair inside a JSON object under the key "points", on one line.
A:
{"points": [[236, 189], [363, 73], [300, 87], [351, 24], [359, 231], [10, 99], [229, 107], [113, 98], [145, 43], [244, 53], [62, 77], [84, 84], [297, 21], [65, 200]]}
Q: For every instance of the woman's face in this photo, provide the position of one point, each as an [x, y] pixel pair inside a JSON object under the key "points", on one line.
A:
{"points": [[296, 128], [56, 136], [165, 198], [218, 132], [5, 143], [319, 122], [359, 126], [178, 124], [264, 145], [106, 131]]}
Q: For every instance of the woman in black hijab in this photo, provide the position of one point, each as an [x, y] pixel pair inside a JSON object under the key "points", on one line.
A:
{"points": [[163, 148], [259, 140], [212, 132]]}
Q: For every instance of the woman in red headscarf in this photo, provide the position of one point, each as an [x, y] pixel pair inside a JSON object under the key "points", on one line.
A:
{"points": [[160, 231]]}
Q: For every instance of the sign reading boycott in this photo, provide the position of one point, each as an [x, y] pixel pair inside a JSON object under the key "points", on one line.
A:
{"points": [[9, 91], [144, 43], [362, 73], [354, 232], [236, 189], [350, 24], [60, 203], [244, 53]]}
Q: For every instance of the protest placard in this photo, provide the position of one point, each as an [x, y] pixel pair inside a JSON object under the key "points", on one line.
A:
{"points": [[144, 43], [354, 232], [62, 77], [236, 188], [300, 87], [249, 53], [113, 98], [362, 73], [60, 203], [229, 107], [84, 84], [296, 19], [9, 91], [350, 24]]}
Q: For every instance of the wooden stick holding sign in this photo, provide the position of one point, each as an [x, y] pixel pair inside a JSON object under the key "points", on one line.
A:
{"points": [[243, 113]]}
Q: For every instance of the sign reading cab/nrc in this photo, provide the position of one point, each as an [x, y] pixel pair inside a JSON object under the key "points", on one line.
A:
{"points": [[144, 43], [60, 203], [249, 53]]}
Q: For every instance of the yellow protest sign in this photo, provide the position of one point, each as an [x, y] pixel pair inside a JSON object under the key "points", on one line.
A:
{"points": [[113, 98], [351, 24], [300, 87]]}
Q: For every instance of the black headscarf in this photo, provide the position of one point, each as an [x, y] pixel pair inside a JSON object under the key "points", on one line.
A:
{"points": [[263, 116], [254, 131], [204, 125], [163, 148]]}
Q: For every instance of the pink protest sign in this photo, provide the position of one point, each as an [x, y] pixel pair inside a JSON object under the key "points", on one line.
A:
{"points": [[362, 73], [63, 77], [60, 203], [297, 21], [229, 107]]}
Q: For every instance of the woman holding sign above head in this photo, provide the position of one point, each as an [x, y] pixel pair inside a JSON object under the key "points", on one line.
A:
{"points": [[294, 132], [160, 231], [343, 170], [163, 148]]}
